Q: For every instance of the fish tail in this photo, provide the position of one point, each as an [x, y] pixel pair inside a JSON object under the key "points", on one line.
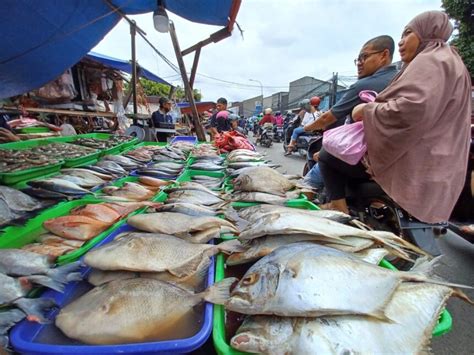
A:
{"points": [[231, 246], [61, 273], [47, 282], [417, 277], [219, 293], [459, 294], [35, 308]]}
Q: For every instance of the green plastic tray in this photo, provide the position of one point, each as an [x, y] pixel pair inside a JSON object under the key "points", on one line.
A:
{"points": [[17, 237], [34, 130], [28, 174], [218, 332]]}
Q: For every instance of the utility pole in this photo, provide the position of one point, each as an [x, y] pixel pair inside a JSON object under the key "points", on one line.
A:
{"points": [[133, 31], [334, 89]]}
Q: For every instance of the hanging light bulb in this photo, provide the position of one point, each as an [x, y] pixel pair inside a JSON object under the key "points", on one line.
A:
{"points": [[160, 19]]}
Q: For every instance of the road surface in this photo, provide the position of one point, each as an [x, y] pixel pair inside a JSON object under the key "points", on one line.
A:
{"points": [[457, 265]]}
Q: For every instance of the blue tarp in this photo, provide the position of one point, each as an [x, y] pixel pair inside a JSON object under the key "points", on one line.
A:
{"points": [[124, 66], [41, 39]]}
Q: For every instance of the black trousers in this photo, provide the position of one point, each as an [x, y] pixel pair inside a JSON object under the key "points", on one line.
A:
{"points": [[337, 173]]}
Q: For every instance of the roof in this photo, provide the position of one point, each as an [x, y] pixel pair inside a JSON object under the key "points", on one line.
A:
{"points": [[41, 39], [125, 66]]}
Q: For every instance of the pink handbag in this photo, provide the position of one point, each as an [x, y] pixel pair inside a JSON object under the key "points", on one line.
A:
{"points": [[346, 143]]}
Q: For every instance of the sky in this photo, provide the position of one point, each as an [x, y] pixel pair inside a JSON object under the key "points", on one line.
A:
{"points": [[282, 40]]}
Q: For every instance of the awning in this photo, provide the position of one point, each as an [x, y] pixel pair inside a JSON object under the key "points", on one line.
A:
{"points": [[203, 106], [41, 39], [125, 66]]}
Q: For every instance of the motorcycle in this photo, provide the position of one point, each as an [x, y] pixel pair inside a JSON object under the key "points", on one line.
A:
{"points": [[278, 134], [266, 137], [376, 209]]}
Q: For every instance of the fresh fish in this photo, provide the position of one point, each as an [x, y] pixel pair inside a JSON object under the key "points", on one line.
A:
{"points": [[107, 172], [150, 181], [8, 319], [192, 282], [6, 214], [191, 186], [414, 311], [178, 224], [260, 247], [194, 196], [59, 185], [52, 239], [18, 201], [310, 280], [157, 173], [296, 223], [263, 197], [253, 213], [168, 165], [76, 227], [206, 165], [99, 211], [33, 308], [48, 194], [125, 208], [147, 252], [79, 181], [263, 179], [112, 167], [128, 311], [48, 249], [13, 288], [88, 173], [250, 164], [16, 262], [188, 209]]}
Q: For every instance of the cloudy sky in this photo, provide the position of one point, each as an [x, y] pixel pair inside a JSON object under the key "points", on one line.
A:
{"points": [[282, 41]]}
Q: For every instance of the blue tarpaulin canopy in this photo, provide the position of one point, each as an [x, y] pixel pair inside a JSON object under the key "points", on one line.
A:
{"points": [[125, 66], [41, 39]]}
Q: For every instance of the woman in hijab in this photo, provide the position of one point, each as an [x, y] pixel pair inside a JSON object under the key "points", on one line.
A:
{"points": [[418, 129]]}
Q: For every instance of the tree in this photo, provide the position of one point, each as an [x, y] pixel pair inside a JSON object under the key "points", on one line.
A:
{"points": [[461, 11], [154, 89], [180, 95]]}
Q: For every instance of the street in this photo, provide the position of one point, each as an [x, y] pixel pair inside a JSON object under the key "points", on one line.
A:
{"points": [[457, 266]]}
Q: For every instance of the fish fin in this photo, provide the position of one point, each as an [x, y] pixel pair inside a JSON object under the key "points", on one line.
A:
{"points": [[231, 246], [426, 265], [219, 293], [61, 273], [35, 308], [46, 281], [419, 277], [459, 294], [204, 236]]}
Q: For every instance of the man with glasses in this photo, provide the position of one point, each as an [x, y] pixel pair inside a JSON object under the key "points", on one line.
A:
{"points": [[374, 71]]}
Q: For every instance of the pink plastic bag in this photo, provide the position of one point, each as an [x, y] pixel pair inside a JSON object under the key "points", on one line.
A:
{"points": [[346, 142]]}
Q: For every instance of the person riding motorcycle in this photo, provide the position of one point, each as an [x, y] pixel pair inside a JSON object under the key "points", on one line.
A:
{"points": [[310, 113], [267, 118]]}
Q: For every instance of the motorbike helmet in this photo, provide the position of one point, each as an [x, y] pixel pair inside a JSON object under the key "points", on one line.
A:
{"points": [[278, 113], [315, 101], [268, 111], [305, 105]]}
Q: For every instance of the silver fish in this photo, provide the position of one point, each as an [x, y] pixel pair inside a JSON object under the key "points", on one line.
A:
{"points": [[59, 185], [206, 165], [194, 196], [263, 197], [263, 179], [188, 209], [310, 280]]}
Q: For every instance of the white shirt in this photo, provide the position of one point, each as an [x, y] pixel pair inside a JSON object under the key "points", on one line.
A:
{"points": [[310, 117]]}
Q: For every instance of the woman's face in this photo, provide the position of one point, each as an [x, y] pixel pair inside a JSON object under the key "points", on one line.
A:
{"points": [[408, 45]]}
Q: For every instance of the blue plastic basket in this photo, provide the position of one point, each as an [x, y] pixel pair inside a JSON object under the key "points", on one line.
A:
{"points": [[33, 338], [190, 139]]}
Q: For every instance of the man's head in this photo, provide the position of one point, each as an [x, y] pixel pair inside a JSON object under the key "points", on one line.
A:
{"points": [[375, 54], [221, 104], [268, 111], [165, 104]]}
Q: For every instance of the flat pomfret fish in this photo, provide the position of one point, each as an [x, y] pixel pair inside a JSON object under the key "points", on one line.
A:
{"points": [[263, 179], [188, 209], [76, 227], [128, 311], [194, 196], [414, 311], [310, 280], [263, 197]]}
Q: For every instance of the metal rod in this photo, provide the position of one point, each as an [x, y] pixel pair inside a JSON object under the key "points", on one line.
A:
{"points": [[194, 68], [187, 88], [133, 32]]}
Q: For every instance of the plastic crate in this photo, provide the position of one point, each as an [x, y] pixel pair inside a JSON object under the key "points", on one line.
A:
{"points": [[28, 174], [17, 237], [218, 333], [190, 139], [33, 338]]}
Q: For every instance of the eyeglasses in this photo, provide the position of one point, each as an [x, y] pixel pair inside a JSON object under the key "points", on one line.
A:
{"points": [[364, 56]]}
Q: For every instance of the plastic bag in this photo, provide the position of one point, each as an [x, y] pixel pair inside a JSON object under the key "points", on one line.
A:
{"points": [[346, 143]]}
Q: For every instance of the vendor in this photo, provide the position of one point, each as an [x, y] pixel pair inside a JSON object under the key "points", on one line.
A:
{"points": [[162, 116], [6, 134]]}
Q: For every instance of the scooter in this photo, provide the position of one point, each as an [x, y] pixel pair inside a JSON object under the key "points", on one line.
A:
{"points": [[376, 209], [278, 134], [266, 137], [302, 143]]}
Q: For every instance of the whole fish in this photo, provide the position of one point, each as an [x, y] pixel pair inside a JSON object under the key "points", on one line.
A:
{"points": [[157, 173], [48, 194], [178, 224], [150, 181], [59, 185], [76, 227], [128, 311], [48, 249], [125, 208], [105, 172], [99, 211], [194, 196], [88, 173], [16, 262], [82, 182], [263, 179], [112, 167], [250, 164], [52, 239], [168, 165], [206, 165], [6, 214], [147, 252], [310, 280], [263, 197], [191, 186], [17, 200], [192, 282], [124, 162], [414, 311], [33, 308], [188, 209], [8, 319]]}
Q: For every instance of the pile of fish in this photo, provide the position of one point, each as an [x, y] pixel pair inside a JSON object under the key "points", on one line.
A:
{"points": [[211, 182], [15, 205], [204, 149], [146, 286], [184, 146], [20, 271], [85, 222], [346, 304], [120, 161], [101, 144]]}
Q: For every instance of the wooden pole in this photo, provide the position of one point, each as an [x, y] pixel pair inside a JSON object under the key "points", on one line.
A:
{"points": [[133, 32], [187, 88]]}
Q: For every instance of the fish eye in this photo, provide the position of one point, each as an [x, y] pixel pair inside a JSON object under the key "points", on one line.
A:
{"points": [[250, 279]]}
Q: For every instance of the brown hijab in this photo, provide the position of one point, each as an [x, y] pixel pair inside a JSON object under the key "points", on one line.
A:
{"points": [[418, 130]]}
